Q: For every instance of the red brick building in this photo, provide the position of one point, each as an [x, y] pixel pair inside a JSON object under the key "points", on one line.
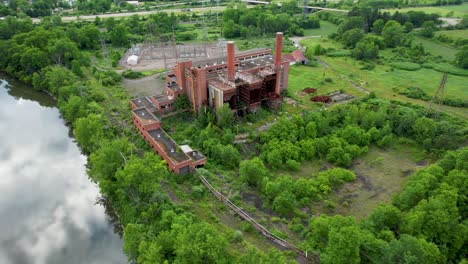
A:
{"points": [[243, 80], [180, 159]]}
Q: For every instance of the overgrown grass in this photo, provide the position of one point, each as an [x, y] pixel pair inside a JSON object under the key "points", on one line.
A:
{"points": [[404, 65], [301, 77], [380, 174], [252, 43], [324, 42], [387, 82], [448, 68], [454, 33], [458, 10], [326, 28], [436, 49]]}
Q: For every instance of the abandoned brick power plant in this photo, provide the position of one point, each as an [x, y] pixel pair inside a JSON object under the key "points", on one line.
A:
{"points": [[243, 80]]}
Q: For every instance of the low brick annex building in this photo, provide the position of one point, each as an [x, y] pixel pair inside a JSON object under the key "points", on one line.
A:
{"points": [[180, 159]]}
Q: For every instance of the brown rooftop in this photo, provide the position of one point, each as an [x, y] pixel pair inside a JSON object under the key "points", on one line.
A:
{"points": [[141, 102], [168, 145], [145, 116], [224, 86]]}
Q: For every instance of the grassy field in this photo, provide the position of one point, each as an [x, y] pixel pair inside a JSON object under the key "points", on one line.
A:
{"points": [[380, 174], [301, 77], [326, 28], [436, 49], [323, 41], [386, 82], [454, 34], [458, 10], [383, 80]]}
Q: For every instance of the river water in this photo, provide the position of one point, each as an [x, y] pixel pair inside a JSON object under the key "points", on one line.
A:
{"points": [[48, 210]]}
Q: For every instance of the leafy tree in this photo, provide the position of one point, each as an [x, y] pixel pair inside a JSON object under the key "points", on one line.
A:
{"points": [[428, 29], [88, 37], [343, 245], [231, 29], [63, 51], [284, 203], [393, 33], [409, 249], [118, 35], [378, 26], [200, 243], [181, 102], [424, 129], [138, 196], [461, 58], [351, 23], [111, 156], [338, 156], [408, 27], [33, 60], [74, 108], [252, 171], [384, 217], [89, 131], [311, 130], [352, 37], [56, 78], [224, 116], [133, 236], [366, 50]]}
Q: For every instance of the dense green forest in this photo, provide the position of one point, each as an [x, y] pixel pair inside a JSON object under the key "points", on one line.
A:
{"points": [[425, 223]]}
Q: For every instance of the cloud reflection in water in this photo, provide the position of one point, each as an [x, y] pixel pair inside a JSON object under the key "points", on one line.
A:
{"points": [[47, 203]]}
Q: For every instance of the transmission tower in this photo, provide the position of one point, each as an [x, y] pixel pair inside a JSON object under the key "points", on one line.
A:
{"points": [[205, 36], [217, 12], [438, 97], [304, 14]]}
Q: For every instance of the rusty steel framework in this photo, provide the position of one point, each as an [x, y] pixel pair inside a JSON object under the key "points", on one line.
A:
{"points": [[438, 97]]}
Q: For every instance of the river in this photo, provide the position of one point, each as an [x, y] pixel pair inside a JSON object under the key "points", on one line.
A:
{"points": [[48, 210]]}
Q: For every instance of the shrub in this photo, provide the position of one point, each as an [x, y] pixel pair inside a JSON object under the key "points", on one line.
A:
{"points": [[129, 74], [405, 65], [293, 165], [448, 68], [416, 93]]}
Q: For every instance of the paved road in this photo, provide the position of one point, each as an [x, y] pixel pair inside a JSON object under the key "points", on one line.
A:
{"points": [[326, 9], [127, 14]]}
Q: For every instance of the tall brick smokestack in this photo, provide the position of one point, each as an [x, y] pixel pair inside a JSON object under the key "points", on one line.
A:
{"points": [[279, 49], [231, 61], [278, 60]]}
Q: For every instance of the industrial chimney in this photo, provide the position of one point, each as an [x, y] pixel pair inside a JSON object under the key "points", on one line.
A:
{"points": [[279, 49], [231, 61], [278, 60]]}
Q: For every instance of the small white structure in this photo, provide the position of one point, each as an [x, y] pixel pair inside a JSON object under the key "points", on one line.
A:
{"points": [[135, 3], [186, 149], [132, 60]]}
